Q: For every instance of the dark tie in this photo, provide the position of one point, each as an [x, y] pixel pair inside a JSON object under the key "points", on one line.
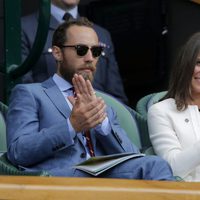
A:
{"points": [[89, 143], [67, 16], [88, 137]]}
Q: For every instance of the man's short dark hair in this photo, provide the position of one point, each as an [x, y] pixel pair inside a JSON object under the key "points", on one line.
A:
{"points": [[60, 36]]}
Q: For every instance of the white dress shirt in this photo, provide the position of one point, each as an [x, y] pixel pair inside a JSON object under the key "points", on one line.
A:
{"points": [[58, 13]]}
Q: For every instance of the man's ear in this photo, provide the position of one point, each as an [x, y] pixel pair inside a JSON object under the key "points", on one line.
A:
{"points": [[57, 53]]}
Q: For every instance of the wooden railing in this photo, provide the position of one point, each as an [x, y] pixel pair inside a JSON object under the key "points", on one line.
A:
{"points": [[36, 188]]}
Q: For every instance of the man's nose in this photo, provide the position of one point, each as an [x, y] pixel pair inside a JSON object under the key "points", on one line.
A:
{"points": [[88, 56]]}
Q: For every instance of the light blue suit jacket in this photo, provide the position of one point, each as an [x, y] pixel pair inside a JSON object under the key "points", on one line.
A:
{"points": [[38, 136]]}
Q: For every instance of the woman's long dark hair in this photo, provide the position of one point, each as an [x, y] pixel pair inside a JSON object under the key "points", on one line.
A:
{"points": [[182, 72]]}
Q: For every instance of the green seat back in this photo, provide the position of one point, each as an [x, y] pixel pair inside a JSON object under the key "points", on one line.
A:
{"points": [[145, 102], [3, 146], [155, 98], [142, 107], [3, 110], [125, 118]]}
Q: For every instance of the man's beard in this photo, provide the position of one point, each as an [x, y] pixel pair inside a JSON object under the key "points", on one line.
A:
{"points": [[68, 74]]}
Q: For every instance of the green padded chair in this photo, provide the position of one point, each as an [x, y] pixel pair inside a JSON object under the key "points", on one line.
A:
{"points": [[141, 118], [3, 109], [125, 117], [6, 168], [3, 146], [142, 107], [145, 102]]}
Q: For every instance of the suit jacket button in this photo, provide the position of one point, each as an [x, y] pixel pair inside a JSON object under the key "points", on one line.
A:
{"points": [[83, 155]]}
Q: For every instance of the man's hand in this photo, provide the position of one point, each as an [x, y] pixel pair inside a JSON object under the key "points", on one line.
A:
{"points": [[83, 87], [88, 110]]}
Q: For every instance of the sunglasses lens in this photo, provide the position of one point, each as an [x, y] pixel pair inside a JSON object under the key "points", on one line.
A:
{"points": [[81, 50], [96, 51]]}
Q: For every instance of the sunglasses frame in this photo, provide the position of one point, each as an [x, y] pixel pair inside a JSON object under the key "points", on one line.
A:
{"points": [[92, 48]]}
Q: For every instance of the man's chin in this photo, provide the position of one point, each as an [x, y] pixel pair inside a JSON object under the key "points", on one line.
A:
{"points": [[70, 4], [86, 76]]}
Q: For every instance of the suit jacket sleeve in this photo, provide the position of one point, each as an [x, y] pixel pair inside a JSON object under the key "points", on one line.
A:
{"points": [[117, 141], [28, 142]]}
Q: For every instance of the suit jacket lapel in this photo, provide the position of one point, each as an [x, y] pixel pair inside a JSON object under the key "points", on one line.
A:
{"points": [[56, 97], [53, 24]]}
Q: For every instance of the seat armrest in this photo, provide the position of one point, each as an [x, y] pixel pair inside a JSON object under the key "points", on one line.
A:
{"points": [[6, 168]]}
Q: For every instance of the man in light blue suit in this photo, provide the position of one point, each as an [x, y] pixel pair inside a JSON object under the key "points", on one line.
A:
{"points": [[47, 125], [107, 77]]}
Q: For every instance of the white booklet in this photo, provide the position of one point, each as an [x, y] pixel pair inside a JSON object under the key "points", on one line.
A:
{"points": [[99, 164]]}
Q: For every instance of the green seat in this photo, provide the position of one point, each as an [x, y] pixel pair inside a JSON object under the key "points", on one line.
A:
{"points": [[155, 98], [142, 107], [145, 102], [141, 118], [3, 110], [6, 167], [125, 117], [3, 146]]}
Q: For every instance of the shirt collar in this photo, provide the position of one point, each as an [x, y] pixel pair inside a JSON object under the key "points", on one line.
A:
{"points": [[58, 13], [62, 84]]}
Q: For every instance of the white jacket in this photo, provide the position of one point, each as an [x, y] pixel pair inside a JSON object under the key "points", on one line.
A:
{"points": [[175, 136]]}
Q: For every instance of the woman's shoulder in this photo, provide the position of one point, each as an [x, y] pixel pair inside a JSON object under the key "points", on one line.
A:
{"points": [[166, 104]]}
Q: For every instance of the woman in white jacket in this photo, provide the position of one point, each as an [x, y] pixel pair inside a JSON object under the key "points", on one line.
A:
{"points": [[174, 122]]}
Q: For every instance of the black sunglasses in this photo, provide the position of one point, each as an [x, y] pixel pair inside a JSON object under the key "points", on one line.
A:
{"points": [[82, 49]]}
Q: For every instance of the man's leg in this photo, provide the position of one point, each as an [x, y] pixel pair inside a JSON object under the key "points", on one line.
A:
{"points": [[147, 167]]}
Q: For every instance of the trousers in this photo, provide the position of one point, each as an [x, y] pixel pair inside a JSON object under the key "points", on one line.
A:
{"points": [[147, 168]]}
